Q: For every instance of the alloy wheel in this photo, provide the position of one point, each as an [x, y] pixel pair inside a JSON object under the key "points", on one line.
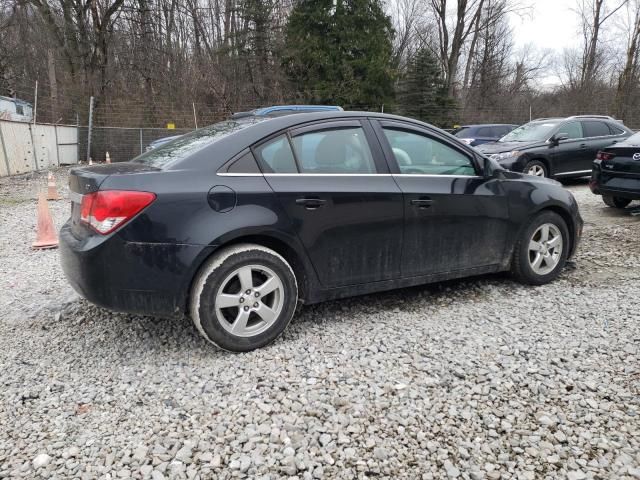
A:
{"points": [[545, 249], [249, 300], [536, 170]]}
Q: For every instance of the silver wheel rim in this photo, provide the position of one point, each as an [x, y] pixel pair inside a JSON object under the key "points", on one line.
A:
{"points": [[545, 249], [536, 170], [249, 300]]}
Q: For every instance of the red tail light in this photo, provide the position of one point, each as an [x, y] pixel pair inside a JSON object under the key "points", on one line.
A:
{"points": [[604, 155], [106, 211]]}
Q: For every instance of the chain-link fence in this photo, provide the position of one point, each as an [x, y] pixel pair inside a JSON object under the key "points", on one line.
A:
{"points": [[125, 128]]}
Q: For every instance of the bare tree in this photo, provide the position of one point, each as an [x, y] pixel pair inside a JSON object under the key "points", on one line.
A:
{"points": [[629, 78]]}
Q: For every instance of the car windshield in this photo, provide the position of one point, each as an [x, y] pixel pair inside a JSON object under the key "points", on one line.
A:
{"points": [[192, 142], [462, 132], [530, 132]]}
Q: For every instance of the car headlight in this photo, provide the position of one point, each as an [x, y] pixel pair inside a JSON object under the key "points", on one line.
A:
{"points": [[505, 156]]}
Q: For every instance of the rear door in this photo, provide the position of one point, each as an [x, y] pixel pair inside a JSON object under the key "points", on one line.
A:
{"points": [[344, 205], [598, 136], [455, 219]]}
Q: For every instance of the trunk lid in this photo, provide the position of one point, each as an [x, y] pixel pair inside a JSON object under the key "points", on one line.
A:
{"points": [[623, 163]]}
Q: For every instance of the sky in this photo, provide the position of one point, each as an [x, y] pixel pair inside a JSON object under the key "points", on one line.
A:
{"points": [[548, 25]]}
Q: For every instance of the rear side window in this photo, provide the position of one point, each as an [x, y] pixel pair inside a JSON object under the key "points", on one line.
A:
{"points": [[593, 128], [615, 130], [276, 156], [341, 150], [420, 154], [245, 164]]}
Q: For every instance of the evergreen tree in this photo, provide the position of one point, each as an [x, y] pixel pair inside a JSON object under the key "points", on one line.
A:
{"points": [[422, 93], [339, 51]]}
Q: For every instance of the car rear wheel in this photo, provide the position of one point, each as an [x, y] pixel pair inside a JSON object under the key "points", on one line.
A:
{"points": [[243, 297], [542, 249], [615, 202], [536, 168]]}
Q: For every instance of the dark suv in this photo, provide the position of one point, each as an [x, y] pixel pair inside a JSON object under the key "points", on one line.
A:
{"points": [[556, 147]]}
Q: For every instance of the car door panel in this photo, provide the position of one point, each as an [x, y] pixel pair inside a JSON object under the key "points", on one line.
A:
{"points": [[465, 220], [349, 223], [465, 225]]}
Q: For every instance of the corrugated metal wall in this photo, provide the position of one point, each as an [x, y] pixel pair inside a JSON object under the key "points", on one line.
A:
{"points": [[25, 147]]}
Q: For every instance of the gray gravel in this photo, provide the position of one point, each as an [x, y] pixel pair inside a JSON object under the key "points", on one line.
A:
{"points": [[479, 379]]}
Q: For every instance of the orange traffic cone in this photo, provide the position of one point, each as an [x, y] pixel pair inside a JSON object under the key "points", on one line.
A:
{"points": [[46, 234], [52, 191], [107, 159]]}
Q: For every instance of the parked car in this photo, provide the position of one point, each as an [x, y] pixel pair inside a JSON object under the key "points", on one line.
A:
{"points": [[273, 111], [238, 222], [616, 173], [475, 135], [556, 147]]}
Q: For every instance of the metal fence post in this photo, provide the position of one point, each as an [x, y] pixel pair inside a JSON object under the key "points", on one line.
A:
{"points": [[4, 150], [141, 152], [90, 128]]}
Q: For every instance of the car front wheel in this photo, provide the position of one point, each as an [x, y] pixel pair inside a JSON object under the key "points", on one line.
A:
{"points": [[536, 168], [541, 250], [243, 297], [615, 202]]}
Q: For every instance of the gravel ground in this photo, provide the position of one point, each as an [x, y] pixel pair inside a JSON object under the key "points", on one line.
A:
{"points": [[482, 378]]}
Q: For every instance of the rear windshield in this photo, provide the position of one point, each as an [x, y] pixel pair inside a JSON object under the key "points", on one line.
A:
{"points": [[192, 142], [463, 132]]}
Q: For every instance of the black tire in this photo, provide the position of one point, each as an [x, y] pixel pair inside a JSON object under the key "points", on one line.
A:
{"points": [[521, 267], [536, 163], [615, 202], [219, 269]]}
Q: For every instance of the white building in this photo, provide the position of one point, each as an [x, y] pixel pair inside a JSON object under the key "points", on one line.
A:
{"points": [[15, 109]]}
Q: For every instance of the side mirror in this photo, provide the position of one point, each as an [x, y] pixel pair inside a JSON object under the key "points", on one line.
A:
{"points": [[558, 137], [491, 168]]}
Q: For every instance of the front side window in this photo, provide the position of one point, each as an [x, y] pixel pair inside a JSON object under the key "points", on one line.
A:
{"points": [[420, 154], [573, 130], [276, 156], [595, 129], [340, 150]]}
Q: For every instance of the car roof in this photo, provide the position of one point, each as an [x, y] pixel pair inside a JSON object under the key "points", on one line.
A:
{"points": [[474, 125], [237, 142], [297, 108]]}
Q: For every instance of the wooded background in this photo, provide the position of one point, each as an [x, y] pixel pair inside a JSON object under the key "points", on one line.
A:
{"points": [[150, 62]]}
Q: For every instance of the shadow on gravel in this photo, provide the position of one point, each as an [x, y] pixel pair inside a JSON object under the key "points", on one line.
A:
{"points": [[135, 336]]}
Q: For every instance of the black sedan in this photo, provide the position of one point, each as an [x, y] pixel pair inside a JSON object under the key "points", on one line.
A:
{"points": [[616, 173], [238, 222]]}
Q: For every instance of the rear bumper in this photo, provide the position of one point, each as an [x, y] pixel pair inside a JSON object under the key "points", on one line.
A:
{"points": [[623, 186], [141, 278]]}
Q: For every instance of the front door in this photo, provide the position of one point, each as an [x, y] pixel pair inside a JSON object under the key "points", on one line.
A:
{"points": [[455, 219], [344, 206]]}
